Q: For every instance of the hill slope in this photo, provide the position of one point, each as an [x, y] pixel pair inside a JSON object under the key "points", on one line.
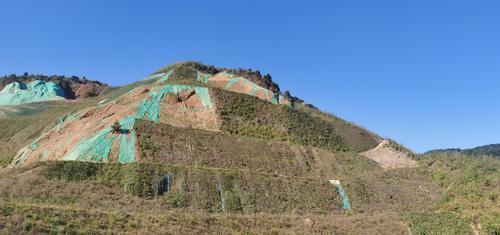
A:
{"points": [[28, 88], [201, 149]]}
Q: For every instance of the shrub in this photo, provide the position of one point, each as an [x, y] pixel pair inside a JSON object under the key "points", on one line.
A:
{"points": [[116, 128], [71, 171]]}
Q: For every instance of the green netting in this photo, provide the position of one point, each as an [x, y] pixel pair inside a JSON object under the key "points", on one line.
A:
{"points": [[149, 107], [126, 154], [254, 88], [33, 145], [44, 155], [165, 77], [95, 149], [275, 98], [60, 122], [37, 91], [204, 97], [154, 76], [202, 77], [21, 158], [344, 201], [220, 193]]}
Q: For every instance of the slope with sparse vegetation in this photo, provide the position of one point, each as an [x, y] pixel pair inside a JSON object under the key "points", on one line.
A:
{"points": [[224, 161]]}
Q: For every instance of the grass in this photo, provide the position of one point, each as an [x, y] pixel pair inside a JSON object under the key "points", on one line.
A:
{"points": [[208, 189], [472, 187], [265, 173], [249, 116], [44, 219], [357, 138], [96, 198], [423, 223], [162, 143]]}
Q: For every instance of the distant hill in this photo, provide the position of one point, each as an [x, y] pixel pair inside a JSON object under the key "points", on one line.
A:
{"points": [[486, 150], [73, 87]]}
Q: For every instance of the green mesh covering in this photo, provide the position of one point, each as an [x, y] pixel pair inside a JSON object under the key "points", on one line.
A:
{"points": [[220, 193], [37, 91], [344, 201], [204, 97], [165, 77], [202, 77], [44, 155], [60, 122], [95, 148], [126, 154], [150, 106], [254, 88], [21, 157], [154, 76]]}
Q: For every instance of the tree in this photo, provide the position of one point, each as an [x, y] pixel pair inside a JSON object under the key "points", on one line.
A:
{"points": [[268, 78], [287, 95], [116, 128]]}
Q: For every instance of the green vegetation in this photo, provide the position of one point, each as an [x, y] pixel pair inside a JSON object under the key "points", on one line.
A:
{"points": [[187, 68], [472, 187], [357, 138], [208, 189], [266, 172], [65, 82], [193, 65], [492, 150], [249, 116], [423, 223], [185, 146]]}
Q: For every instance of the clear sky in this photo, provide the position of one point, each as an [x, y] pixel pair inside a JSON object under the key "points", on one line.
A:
{"points": [[425, 73]]}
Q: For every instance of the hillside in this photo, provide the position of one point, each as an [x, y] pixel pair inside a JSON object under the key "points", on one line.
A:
{"points": [[486, 150], [194, 148], [29, 88]]}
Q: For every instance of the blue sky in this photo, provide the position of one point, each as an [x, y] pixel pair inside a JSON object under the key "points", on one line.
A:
{"points": [[425, 73]]}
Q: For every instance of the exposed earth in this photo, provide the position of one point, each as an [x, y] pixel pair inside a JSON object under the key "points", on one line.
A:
{"points": [[194, 148]]}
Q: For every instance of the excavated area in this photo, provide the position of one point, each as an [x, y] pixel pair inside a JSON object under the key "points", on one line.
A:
{"points": [[241, 85], [388, 158], [87, 135]]}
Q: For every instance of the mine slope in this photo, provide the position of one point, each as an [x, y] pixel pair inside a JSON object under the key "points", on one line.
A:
{"points": [[193, 148]]}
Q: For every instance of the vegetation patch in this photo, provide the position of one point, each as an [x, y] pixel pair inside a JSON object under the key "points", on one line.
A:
{"points": [[206, 189], [249, 116], [437, 223], [472, 187]]}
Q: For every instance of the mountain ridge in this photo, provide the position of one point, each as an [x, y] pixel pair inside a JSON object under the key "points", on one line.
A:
{"points": [[484, 150]]}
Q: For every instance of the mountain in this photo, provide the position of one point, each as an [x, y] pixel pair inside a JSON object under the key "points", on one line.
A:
{"points": [[37, 91], [194, 148], [30, 88], [486, 150]]}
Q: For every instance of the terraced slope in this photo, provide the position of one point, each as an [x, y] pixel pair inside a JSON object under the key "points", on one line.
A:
{"points": [[181, 97], [201, 149]]}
